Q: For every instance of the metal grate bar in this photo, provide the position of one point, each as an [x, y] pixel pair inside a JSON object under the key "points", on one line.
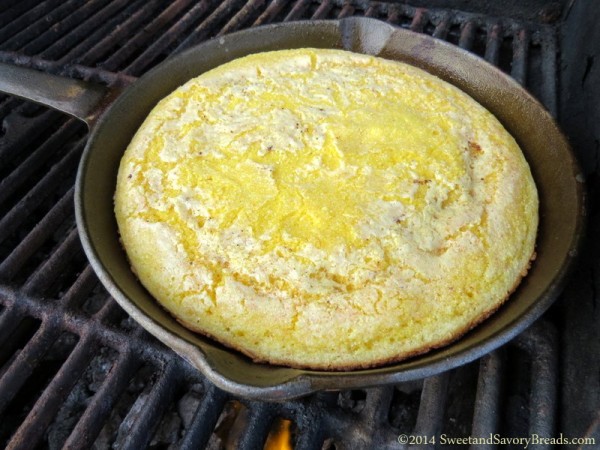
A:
{"points": [[8, 4], [272, 10], [378, 403], [18, 137], [202, 31], [344, 426], [492, 47], [40, 233], [162, 394], [393, 14], [66, 33], [257, 427], [51, 269], [12, 12], [93, 74], [549, 71], [98, 410], [169, 37], [43, 153], [442, 28], [310, 430], [146, 347], [435, 400], [22, 367], [19, 332], [104, 24], [241, 17], [375, 414], [31, 27], [347, 10], [205, 419], [139, 334], [31, 432], [118, 33], [40, 191], [83, 285], [419, 21], [14, 26], [487, 401], [139, 40], [467, 35], [9, 321], [432, 406], [323, 9], [540, 341], [520, 56], [109, 310], [372, 10], [7, 105], [79, 324], [297, 10]]}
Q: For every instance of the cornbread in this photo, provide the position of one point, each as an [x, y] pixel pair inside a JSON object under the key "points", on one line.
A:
{"points": [[325, 209]]}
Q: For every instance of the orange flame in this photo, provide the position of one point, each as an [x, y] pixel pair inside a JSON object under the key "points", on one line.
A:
{"points": [[280, 436]]}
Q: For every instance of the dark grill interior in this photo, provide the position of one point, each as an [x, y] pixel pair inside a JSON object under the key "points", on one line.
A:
{"points": [[75, 371]]}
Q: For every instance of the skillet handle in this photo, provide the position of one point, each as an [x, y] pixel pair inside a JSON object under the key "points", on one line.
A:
{"points": [[83, 100]]}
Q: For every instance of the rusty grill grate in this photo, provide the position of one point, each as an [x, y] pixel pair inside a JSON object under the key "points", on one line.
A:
{"points": [[75, 371]]}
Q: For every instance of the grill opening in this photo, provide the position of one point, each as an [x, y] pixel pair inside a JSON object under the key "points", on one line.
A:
{"points": [[404, 408], [127, 407], [77, 371], [93, 303], [353, 401], [74, 406], [17, 338], [460, 401], [516, 394], [227, 429], [51, 353]]}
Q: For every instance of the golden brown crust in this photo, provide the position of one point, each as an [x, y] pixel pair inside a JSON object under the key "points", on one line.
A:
{"points": [[377, 363]]}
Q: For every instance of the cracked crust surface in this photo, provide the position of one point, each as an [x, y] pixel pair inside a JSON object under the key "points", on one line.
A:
{"points": [[325, 209]]}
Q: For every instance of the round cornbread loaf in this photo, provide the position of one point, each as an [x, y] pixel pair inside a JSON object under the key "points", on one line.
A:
{"points": [[325, 209]]}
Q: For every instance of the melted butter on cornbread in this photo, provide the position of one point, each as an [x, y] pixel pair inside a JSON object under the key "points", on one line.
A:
{"points": [[325, 209]]}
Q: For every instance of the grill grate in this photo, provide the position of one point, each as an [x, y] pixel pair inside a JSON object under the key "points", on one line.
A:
{"points": [[74, 369]]}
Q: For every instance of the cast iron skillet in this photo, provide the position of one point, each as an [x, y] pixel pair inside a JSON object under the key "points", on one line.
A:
{"points": [[113, 124]]}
